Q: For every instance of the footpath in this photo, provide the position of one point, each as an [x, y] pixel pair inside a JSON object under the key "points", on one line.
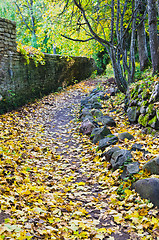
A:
{"points": [[55, 183]]}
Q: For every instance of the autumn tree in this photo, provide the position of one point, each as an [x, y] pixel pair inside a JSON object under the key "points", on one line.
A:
{"points": [[109, 23], [154, 44], [141, 34], [25, 9]]}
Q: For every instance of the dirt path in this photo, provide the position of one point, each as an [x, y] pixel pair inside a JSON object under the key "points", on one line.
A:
{"points": [[56, 186], [78, 166]]}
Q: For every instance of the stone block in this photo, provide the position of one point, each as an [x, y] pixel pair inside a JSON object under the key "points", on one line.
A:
{"points": [[148, 188]]}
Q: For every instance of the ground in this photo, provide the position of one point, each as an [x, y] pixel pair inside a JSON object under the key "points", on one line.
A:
{"points": [[55, 183]]}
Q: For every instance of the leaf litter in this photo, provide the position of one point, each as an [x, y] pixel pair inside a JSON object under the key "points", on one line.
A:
{"points": [[55, 183]]}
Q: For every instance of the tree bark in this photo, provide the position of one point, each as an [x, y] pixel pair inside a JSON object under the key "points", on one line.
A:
{"points": [[157, 5], [119, 78], [132, 45], [142, 46], [154, 46]]}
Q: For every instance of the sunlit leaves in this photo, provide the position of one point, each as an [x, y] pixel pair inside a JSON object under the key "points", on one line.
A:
{"points": [[54, 184]]}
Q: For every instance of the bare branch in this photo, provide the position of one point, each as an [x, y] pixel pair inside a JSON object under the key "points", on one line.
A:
{"points": [[77, 40], [99, 39], [23, 17]]}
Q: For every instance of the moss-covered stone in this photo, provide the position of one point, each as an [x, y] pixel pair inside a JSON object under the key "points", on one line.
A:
{"points": [[145, 94], [135, 96], [144, 103], [153, 120], [143, 119], [157, 114], [150, 108], [134, 92]]}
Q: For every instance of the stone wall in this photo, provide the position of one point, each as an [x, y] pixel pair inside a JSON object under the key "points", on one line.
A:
{"points": [[20, 82], [142, 103], [7, 35]]}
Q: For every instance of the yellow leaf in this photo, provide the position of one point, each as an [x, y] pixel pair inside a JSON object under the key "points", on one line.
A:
{"points": [[118, 218], [82, 225], [81, 183], [154, 220], [128, 192]]}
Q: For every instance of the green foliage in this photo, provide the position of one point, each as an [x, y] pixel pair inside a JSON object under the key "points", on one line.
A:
{"points": [[101, 58], [31, 53], [143, 119], [150, 108], [144, 103], [153, 120], [7, 10], [138, 73]]}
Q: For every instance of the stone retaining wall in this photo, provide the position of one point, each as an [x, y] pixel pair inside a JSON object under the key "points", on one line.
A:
{"points": [[20, 82], [7, 35]]}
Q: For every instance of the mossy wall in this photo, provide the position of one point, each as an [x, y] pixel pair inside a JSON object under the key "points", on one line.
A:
{"points": [[143, 103], [21, 82]]}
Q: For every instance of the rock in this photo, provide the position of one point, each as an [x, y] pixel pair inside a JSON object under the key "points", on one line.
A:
{"points": [[152, 166], [94, 91], [102, 95], [93, 99], [154, 123], [130, 169], [157, 114], [119, 158], [110, 152], [132, 114], [155, 94], [137, 146], [140, 90], [107, 120], [143, 119], [148, 188], [96, 113], [140, 96], [97, 105], [88, 106], [151, 110], [90, 117], [111, 81], [143, 110], [87, 127], [85, 112], [124, 135], [113, 110], [84, 101], [112, 91], [133, 103], [99, 133], [107, 141]]}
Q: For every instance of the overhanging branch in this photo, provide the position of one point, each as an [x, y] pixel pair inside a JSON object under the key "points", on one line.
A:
{"points": [[96, 37], [77, 40]]}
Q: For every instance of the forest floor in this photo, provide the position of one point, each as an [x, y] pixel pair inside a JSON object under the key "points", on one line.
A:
{"points": [[54, 182]]}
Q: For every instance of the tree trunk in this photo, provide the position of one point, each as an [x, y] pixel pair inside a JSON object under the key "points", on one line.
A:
{"points": [[142, 46], [119, 78], [34, 38], [154, 46], [157, 5]]}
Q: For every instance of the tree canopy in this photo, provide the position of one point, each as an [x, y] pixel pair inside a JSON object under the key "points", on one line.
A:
{"points": [[124, 29]]}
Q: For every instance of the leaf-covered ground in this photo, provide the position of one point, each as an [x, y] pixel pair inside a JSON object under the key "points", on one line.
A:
{"points": [[56, 185]]}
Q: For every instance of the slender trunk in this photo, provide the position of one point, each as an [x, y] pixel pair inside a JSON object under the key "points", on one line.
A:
{"points": [[119, 78], [132, 46], [142, 46], [30, 6], [154, 46], [157, 5]]}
